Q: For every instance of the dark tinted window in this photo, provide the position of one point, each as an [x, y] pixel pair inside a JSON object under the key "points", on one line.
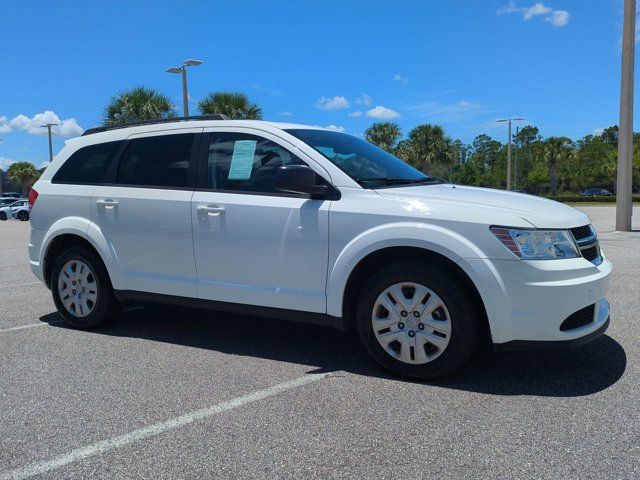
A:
{"points": [[160, 161], [88, 165], [238, 161]]}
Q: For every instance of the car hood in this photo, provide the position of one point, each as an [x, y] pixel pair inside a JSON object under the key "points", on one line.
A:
{"points": [[482, 202]]}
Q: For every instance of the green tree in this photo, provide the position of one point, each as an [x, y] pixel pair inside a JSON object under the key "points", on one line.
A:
{"points": [[384, 134], [24, 174], [425, 146], [234, 105], [557, 150], [138, 104]]}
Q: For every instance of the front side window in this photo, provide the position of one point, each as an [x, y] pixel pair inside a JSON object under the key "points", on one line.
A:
{"points": [[367, 164], [243, 162], [159, 161], [88, 165]]}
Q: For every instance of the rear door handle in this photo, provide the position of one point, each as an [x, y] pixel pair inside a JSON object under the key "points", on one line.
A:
{"points": [[107, 203], [213, 210]]}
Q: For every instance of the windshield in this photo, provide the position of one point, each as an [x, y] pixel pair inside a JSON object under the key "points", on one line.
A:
{"points": [[367, 164]]}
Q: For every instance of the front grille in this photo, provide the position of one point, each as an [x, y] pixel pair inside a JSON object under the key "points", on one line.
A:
{"points": [[590, 254], [587, 242], [578, 319], [582, 232]]}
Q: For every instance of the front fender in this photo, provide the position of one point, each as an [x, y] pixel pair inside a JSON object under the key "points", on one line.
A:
{"points": [[401, 234]]}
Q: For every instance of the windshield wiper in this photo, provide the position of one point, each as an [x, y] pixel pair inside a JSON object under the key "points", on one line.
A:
{"points": [[397, 181]]}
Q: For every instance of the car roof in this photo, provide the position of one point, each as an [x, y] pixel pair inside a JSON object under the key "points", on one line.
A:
{"points": [[119, 132]]}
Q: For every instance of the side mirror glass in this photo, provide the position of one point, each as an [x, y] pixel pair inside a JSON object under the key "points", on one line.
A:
{"points": [[299, 179]]}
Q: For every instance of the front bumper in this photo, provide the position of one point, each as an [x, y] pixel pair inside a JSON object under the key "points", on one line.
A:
{"points": [[600, 323], [527, 301]]}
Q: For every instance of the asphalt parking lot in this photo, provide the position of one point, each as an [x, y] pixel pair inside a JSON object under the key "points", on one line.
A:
{"points": [[177, 393]]}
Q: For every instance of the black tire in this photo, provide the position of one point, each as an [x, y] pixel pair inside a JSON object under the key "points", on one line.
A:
{"points": [[106, 305], [464, 317], [23, 216], [3, 216]]}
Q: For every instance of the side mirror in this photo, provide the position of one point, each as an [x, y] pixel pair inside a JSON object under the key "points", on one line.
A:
{"points": [[299, 179]]}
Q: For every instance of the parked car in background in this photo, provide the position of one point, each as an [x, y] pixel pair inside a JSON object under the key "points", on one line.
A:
{"points": [[4, 201], [15, 195], [312, 225], [19, 210], [596, 192]]}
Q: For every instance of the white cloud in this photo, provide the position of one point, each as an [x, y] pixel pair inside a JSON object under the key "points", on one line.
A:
{"points": [[557, 18], [286, 114], [462, 111], [4, 124], [357, 113], [382, 113], [335, 128], [332, 103], [63, 128], [597, 131], [535, 10], [399, 78], [363, 99], [5, 163]]}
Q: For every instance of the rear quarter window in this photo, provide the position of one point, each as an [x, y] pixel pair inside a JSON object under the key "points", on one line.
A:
{"points": [[88, 165]]}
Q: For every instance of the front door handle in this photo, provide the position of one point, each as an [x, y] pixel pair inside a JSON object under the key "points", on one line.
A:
{"points": [[107, 203], [212, 210]]}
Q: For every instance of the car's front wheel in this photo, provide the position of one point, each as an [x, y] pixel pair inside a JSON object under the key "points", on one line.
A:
{"points": [[3, 216], [81, 289], [417, 319]]}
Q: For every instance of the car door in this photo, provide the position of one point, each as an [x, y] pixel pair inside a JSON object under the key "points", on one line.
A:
{"points": [[145, 212], [254, 244]]}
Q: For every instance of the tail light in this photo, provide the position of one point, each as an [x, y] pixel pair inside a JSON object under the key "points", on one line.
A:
{"points": [[33, 196]]}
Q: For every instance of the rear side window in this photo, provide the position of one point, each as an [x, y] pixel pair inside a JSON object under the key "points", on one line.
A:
{"points": [[160, 161], [88, 165]]}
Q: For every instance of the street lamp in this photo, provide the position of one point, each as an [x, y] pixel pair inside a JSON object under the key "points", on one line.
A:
{"points": [[48, 127], [183, 70], [516, 119]]}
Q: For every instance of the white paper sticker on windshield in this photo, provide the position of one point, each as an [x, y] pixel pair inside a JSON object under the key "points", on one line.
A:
{"points": [[242, 160]]}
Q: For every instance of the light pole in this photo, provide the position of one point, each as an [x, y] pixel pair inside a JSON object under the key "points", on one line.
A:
{"points": [[515, 160], [624, 205], [516, 119], [183, 70], [48, 127]]}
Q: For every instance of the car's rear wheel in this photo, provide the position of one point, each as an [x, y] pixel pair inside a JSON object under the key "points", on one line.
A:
{"points": [[417, 319], [81, 289], [23, 216], [3, 216]]}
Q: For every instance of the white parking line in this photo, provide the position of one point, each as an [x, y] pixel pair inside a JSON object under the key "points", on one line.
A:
{"points": [[155, 429], [20, 284], [30, 325]]}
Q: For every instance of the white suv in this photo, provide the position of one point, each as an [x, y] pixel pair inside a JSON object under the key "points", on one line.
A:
{"points": [[311, 225]]}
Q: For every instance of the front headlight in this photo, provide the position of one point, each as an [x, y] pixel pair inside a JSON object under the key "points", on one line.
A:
{"points": [[537, 244]]}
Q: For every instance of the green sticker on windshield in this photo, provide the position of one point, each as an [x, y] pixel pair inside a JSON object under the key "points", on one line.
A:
{"points": [[242, 160]]}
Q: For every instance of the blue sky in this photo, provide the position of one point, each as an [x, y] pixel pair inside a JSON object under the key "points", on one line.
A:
{"points": [[347, 63]]}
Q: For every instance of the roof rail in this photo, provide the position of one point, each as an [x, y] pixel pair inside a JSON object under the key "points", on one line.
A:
{"points": [[106, 128]]}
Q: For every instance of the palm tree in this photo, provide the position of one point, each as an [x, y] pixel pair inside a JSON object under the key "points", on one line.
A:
{"points": [[426, 144], [138, 104], [234, 105], [24, 174], [384, 135], [556, 150]]}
